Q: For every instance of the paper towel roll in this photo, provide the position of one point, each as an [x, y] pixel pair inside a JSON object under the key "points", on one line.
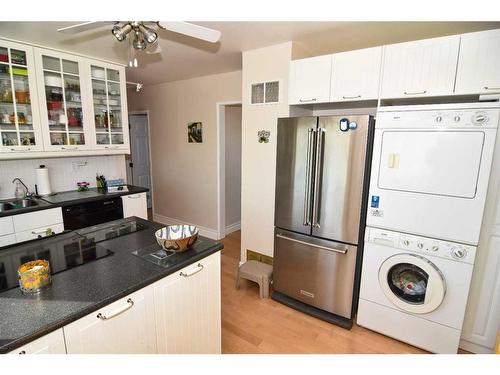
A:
{"points": [[43, 181]]}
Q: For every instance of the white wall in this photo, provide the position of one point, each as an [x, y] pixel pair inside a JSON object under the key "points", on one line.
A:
{"points": [[233, 164], [259, 159], [64, 174], [185, 174]]}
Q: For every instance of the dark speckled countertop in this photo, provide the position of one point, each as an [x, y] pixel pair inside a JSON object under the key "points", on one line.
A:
{"points": [[81, 290], [65, 198]]}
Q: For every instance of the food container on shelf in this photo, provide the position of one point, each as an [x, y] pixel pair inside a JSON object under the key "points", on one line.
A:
{"points": [[21, 97], [54, 104], [53, 81], [34, 276], [113, 102], [4, 57], [19, 71], [177, 237]]}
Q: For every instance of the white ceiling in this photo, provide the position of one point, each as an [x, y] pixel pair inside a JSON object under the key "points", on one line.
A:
{"points": [[184, 57]]}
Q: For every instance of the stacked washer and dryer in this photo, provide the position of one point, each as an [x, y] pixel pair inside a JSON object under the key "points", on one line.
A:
{"points": [[429, 179]]}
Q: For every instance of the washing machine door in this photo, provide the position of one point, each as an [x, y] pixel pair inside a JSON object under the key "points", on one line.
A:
{"points": [[412, 283]]}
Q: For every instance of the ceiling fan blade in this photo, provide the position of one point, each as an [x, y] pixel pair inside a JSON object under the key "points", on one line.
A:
{"points": [[190, 29], [85, 26]]}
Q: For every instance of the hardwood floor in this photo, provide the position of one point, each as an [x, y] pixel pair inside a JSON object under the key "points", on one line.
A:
{"points": [[254, 325]]}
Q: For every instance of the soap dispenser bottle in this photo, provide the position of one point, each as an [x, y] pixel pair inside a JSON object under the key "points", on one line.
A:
{"points": [[20, 192]]}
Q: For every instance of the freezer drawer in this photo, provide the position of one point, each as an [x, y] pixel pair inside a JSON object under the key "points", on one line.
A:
{"points": [[317, 272]]}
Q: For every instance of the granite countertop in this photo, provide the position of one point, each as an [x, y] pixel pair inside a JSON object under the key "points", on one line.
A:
{"points": [[81, 290], [66, 198]]}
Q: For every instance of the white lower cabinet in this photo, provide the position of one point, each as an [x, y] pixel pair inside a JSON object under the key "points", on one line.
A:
{"points": [[135, 205], [52, 343], [124, 327], [187, 304]]}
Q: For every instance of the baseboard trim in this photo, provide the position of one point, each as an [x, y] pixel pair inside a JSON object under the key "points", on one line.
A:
{"points": [[474, 348], [203, 231], [233, 227]]}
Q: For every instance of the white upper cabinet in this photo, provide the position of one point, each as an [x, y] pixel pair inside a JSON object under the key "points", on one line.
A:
{"points": [[420, 68], [356, 75], [109, 105], [310, 80], [63, 94], [20, 128], [479, 63]]}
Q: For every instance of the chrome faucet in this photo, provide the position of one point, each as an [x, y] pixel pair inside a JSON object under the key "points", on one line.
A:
{"points": [[27, 194]]}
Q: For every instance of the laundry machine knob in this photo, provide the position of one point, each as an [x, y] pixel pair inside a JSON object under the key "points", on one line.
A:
{"points": [[406, 242], [458, 253], [456, 118], [420, 245], [435, 248], [439, 118]]}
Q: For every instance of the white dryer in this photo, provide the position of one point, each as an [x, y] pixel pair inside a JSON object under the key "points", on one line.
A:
{"points": [[430, 169], [415, 288]]}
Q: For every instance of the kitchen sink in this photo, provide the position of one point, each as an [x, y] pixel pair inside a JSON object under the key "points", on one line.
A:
{"points": [[5, 206], [15, 204]]}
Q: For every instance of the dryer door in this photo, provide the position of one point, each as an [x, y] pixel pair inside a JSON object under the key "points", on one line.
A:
{"points": [[443, 163], [412, 283]]}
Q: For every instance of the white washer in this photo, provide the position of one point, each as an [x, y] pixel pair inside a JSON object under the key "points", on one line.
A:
{"points": [[415, 288], [430, 170]]}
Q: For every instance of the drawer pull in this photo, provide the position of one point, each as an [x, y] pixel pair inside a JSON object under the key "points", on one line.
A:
{"points": [[133, 196], [352, 97], [415, 93], [198, 268], [119, 311], [491, 88], [307, 100]]}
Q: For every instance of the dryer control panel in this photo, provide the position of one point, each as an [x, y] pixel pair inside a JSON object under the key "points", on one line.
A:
{"points": [[422, 245]]}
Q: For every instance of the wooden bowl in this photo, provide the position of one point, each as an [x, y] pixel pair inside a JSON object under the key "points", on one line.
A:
{"points": [[177, 237]]}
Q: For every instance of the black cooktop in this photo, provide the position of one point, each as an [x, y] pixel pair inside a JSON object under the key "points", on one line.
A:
{"points": [[63, 251]]}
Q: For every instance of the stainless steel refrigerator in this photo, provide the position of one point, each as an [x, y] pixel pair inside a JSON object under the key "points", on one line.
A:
{"points": [[322, 176]]}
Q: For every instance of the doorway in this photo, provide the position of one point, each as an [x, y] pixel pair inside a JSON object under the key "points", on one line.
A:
{"points": [[229, 167], [139, 166]]}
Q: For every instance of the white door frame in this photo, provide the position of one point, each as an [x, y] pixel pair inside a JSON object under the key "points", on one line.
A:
{"points": [[145, 112], [221, 165]]}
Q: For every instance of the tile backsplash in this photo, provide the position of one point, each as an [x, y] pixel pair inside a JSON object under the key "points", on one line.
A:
{"points": [[64, 172]]}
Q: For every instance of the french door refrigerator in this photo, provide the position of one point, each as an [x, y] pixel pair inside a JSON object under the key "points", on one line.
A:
{"points": [[322, 176]]}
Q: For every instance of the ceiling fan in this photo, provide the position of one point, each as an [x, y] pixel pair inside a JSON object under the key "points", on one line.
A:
{"points": [[144, 33]]}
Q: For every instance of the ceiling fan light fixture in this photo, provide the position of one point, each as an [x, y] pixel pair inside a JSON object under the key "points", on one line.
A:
{"points": [[139, 42], [149, 34], [120, 32]]}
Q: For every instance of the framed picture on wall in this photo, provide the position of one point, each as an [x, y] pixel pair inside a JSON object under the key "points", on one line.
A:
{"points": [[195, 132]]}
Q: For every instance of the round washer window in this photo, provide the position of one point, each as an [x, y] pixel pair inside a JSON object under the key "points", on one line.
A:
{"points": [[408, 282], [412, 283]]}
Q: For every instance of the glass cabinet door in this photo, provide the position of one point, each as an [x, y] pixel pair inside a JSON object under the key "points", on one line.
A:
{"points": [[108, 115], [61, 79], [17, 132]]}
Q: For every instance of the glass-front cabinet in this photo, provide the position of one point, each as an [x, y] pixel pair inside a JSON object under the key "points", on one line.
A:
{"points": [[109, 106], [20, 129], [61, 84]]}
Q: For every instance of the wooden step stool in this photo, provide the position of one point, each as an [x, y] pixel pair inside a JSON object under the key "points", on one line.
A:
{"points": [[257, 272]]}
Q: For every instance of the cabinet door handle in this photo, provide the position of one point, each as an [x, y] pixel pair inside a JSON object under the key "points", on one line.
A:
{"points": [[415, 93], [307, 100], [119, 311], [44, 231], [133, 196], [198, 268], [491, 88], [351, 97], [22, 352]]}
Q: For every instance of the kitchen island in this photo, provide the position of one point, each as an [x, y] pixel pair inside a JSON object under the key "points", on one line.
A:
{"points": [[78, 293]]}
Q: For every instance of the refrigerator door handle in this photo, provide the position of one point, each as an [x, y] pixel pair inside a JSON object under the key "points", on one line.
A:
{"points": [[317, 177], [340, 251], [307, 198]]}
